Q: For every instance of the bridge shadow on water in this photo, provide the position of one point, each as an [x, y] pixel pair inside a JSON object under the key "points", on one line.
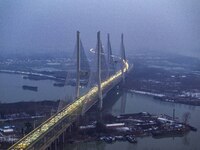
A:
{"points": [[112, 97], [109, 101]]}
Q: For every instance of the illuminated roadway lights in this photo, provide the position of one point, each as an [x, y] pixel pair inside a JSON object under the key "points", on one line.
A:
{"points": [[32, 136]]}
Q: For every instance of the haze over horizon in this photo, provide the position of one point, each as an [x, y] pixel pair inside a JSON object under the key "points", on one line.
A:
{"points": [[48, 25]]}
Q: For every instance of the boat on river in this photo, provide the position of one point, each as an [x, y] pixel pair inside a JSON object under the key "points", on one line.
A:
{"points": [[31, 88]]}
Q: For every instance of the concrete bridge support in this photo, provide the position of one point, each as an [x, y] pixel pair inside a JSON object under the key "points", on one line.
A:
{"points": [[78, 65], [99, 70], [123, 57]]}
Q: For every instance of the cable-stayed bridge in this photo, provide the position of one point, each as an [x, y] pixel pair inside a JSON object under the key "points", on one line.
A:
{"points": [[53, 130]]}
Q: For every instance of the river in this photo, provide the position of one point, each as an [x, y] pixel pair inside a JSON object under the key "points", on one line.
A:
{"points": [[140, 103], [11, 91]]}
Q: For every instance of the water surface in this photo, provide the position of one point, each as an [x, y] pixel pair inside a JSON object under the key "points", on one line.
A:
{"points": [[135, 103]]}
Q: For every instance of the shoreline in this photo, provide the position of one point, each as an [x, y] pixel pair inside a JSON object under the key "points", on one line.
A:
{"points": [[32, 75], [26, 110], [164, 98]]}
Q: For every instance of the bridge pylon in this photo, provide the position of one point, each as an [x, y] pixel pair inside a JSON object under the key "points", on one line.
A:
{"points": [[123, 57], [99, 46], [78, 64], [109, 57]]}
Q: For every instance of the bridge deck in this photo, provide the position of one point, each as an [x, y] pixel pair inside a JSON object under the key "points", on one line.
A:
{"points": [[28, 141]]}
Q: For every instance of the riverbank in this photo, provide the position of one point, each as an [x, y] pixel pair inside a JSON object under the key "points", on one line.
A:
{"points": [[23, 110], [166, 78], [165, 98]]}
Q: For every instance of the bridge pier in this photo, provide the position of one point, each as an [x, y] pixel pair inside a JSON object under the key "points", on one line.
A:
{"points": [[48, 148], [57, 143], [63, 137], [123, 102], [51, 146]]}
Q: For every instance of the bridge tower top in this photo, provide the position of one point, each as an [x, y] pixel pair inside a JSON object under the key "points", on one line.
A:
{"points": [[123, 54], [111, 66]]}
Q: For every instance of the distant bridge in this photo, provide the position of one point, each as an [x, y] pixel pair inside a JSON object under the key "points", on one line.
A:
{"points": [[48, 134]]}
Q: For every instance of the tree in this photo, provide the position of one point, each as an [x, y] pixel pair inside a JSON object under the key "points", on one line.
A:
{"points": [[186, 117], [28, 127]]}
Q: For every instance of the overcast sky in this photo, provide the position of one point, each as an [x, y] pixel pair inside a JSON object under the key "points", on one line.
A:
{"points": [[50, 25]]}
